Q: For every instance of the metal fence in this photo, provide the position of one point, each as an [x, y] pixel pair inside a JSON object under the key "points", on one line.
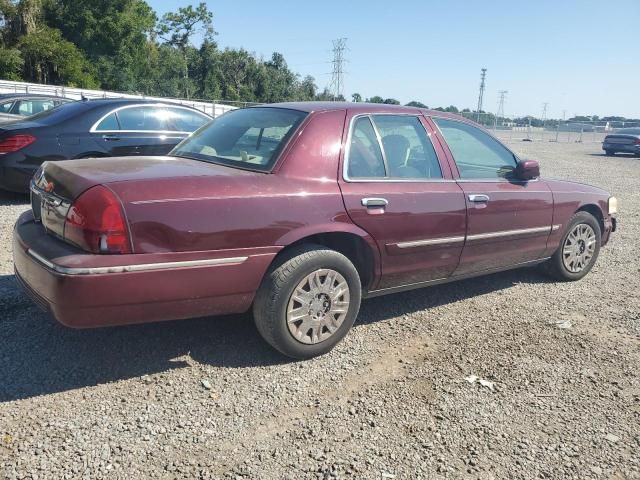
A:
{"points": [[526, 127], [213, 108]]}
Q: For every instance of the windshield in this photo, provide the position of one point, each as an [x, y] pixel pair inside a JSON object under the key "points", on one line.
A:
{"points": [[249, 138]]}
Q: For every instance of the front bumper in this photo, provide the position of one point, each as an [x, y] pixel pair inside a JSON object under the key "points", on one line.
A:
{"points": [[86, 290]]}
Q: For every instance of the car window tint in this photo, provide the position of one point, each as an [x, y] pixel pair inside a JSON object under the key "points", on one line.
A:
{"points": [[31, 107], [365, 156], [407, 147], [183, 120], [110, 122], [476, 154], [142, 118], [248, 138], [6, 107]]}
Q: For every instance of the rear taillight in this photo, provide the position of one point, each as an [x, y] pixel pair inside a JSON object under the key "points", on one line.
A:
{"points": [[15, 142], [96, 222]]}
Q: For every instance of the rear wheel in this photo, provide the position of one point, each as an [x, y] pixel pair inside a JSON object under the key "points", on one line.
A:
{"points": [[308, 302], [578, 250]]}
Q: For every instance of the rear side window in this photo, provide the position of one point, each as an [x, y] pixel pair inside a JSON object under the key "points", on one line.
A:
{"points": [[407, 147], [391, 147], [476, 154], [31, 107], [6, 107], [110, 122], [183, 120], [365, 156], [248, 138], [142, 118]]}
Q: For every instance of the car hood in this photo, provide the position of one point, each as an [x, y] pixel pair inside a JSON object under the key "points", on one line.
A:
{"points": [[69, 178]]}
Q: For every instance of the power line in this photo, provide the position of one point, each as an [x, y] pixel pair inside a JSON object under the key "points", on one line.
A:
{"points": [[483, 75], [337, 76]]}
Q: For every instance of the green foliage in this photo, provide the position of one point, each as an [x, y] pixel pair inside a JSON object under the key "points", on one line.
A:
{"points": [[416, 104], [11, 63], [375, 99], [356, 97], [48, 58]]}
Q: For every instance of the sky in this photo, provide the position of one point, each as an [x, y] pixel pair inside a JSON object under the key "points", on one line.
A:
{"points": [[581, 57]]}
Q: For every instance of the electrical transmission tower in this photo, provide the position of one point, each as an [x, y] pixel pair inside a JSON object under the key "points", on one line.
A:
{"points": [[337, 76], [483, 75], [500, 112], [544, 111]]}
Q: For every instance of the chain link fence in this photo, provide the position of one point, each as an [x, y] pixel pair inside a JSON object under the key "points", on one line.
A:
{"points": [[529, 128]]}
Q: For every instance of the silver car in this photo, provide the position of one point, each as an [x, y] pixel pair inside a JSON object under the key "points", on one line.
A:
{"points": [[16, 106], [625, 140]]}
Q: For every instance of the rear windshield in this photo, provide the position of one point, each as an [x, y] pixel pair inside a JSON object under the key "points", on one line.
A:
{"points": [[59, 113], [249, 138]]}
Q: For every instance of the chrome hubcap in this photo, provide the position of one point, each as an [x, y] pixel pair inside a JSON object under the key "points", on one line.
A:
{"points": [[318, 306], [578, 248]]}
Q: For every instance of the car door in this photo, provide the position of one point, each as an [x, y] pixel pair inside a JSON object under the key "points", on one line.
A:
{"points": [[110, 139], [396, 188], [144, 128], [509, 220]]}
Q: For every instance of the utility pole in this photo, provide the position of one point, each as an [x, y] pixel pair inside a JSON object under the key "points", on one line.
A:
{"points": [[500, 112], [544, 116], [483, 75], [337, 76]]}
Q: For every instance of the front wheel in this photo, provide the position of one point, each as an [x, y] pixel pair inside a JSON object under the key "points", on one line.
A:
{"points": [[308, 302], [578, 250]]}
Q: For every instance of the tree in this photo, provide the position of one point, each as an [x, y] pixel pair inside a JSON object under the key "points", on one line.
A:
{"points": [[356, 97], [178, 28], [48, 58], [391, 101], [416, 104], [375, 99], [11, 63], [112, 34]]}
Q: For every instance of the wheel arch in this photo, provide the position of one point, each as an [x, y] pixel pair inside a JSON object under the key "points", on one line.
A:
{"points": [[595, 211], [353, 242]]}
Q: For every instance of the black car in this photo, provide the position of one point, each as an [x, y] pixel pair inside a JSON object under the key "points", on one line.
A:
{"points": [[16, 106], [624, 140], [92, 128]]}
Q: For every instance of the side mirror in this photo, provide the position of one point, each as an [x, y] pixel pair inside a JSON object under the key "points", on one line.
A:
{"points": [[527, 170]]}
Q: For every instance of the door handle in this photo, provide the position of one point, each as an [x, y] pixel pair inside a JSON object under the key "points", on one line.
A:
{"points": [[479, 198], [110, 137], [375, 202]]}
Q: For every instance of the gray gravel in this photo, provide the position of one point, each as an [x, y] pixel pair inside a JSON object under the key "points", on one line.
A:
{"points": [[208, 399]]}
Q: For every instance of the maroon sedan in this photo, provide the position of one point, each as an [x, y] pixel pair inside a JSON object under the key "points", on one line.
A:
{"points": [[297, 211]]}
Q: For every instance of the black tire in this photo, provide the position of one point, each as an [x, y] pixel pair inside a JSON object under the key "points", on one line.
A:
{"points": [[274, 294], [556, 267], [609, 153]]}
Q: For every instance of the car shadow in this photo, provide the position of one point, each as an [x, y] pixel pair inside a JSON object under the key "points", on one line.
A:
{"points": [[617, 155], [39, 356], [9, 198]]}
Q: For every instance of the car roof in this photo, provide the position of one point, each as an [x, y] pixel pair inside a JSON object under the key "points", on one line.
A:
{"points": [[359, 107], [117, 102], [4, 96]]}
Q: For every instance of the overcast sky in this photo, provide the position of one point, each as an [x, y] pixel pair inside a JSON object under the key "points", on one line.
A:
{"points": [[581, 57]]}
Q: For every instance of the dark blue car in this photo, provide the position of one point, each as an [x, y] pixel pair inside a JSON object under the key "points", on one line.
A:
{"points": [[92, 128], [625, 140]]}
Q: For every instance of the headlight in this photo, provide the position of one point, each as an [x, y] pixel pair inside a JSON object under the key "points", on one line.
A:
{"points": [[613, 205]]}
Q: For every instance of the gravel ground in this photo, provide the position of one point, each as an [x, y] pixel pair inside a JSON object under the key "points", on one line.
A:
{"points": [[207, 399]]}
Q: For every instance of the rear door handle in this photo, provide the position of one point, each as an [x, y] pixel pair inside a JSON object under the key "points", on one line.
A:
{"points": [[375, 202], [479, 198], [110, 137]]}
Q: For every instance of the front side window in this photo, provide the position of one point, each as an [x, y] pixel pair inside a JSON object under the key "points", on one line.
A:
{"points": [[403, 152], [477, 154], [146, 118], [247, 138], [183, 120]]}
